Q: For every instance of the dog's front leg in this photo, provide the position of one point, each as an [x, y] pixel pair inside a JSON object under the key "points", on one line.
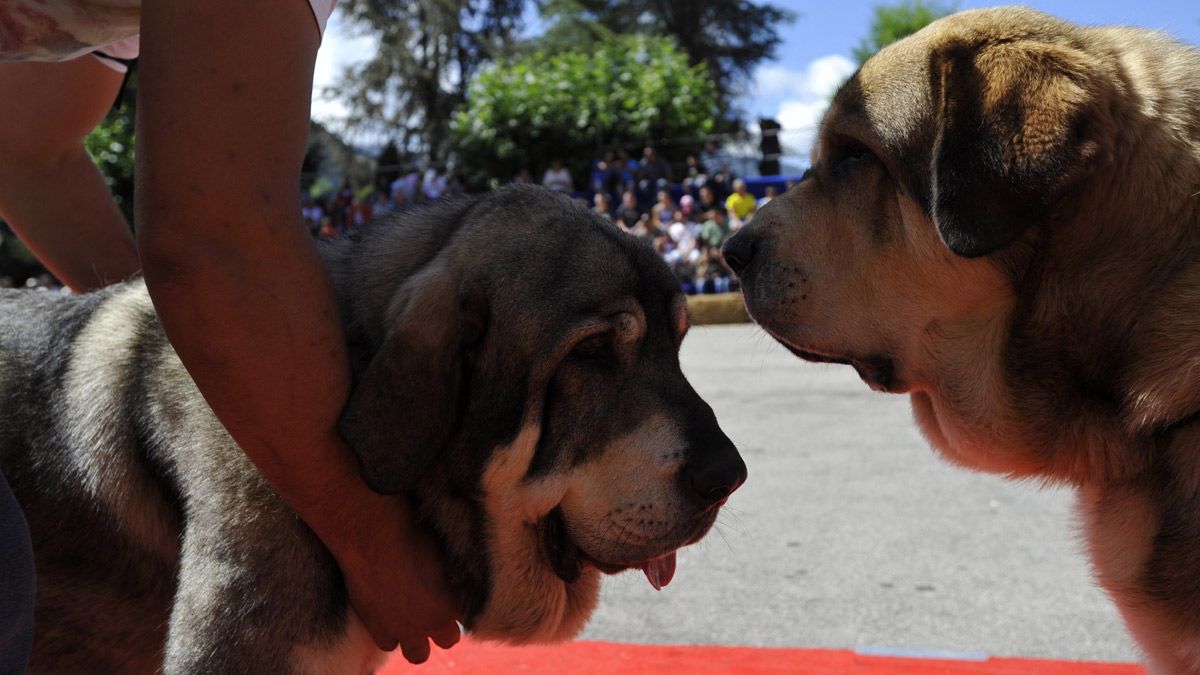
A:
{"points": [[257, 592]]}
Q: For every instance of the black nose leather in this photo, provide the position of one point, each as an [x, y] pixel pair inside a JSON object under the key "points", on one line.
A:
{"points": [[712, 476], [739, 251]]}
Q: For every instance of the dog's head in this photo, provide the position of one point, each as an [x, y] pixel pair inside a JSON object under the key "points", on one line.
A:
{"points": [[939, 169], [521, 382]]}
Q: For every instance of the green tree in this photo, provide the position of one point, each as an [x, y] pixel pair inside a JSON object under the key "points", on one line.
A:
{"points": [[111, 147], [893, 22], [418, 76], [730, 37], [626, 92]]}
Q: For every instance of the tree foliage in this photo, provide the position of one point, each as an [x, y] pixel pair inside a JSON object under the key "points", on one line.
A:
{"points": [[626, 92], [730, 37], [110, 146], [428, 50], [893, 22]]}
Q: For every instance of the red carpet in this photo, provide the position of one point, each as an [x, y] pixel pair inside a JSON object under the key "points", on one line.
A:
{"points": [[601, 658]]}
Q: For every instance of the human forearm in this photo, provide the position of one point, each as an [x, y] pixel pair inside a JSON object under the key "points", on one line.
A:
{"points": [[50, 191], [83, 240], [259, 334], [244, 299]]}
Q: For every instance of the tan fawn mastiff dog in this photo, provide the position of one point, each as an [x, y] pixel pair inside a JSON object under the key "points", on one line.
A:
{"points": [[1002, 220]]}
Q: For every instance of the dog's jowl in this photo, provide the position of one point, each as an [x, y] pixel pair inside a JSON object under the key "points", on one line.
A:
{"points": [[516, 375], [1002, 220]]}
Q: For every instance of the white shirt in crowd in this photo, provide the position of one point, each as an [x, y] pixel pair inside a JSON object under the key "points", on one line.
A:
{"points": [[559, 181]]}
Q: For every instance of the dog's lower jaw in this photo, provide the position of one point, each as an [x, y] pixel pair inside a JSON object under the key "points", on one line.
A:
{"points": [[529, 603]]}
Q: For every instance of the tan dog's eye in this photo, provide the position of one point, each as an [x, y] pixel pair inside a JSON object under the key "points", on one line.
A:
{"points": [[848, 155]]}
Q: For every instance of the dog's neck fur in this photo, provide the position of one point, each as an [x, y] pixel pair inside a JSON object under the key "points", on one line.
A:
{"points": [[495, 557], [1059, 269]]}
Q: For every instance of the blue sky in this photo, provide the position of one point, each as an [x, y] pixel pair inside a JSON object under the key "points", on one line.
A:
{"points": [[816, 52]]}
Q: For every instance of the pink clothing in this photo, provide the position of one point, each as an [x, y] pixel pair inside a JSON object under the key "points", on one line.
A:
{"points": [[59, 30]]}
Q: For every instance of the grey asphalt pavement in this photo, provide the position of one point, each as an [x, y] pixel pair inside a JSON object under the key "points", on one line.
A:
{"points": [[852, 534]]}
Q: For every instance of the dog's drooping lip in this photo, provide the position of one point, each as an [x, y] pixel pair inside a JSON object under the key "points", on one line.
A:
{"points": [[567, 559], [878, 371]]}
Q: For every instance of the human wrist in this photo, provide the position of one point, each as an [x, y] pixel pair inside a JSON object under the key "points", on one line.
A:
{"points": [[349, 518]]}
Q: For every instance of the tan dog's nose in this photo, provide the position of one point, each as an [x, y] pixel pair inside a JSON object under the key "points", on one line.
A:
{"points": [[739, 251]]}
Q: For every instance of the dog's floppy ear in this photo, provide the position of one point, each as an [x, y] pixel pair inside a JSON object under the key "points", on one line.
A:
{"points": [[408, 401], [1018, 124]]}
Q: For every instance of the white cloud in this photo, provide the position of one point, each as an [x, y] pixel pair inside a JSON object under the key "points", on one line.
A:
{"points": [[773, 79], [339, 49], [802, 96]]}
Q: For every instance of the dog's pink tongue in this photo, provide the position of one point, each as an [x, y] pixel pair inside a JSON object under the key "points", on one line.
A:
{"points": [[660, 571]]}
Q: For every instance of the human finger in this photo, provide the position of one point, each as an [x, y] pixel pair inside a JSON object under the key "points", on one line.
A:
{"points": [[415, 651]]}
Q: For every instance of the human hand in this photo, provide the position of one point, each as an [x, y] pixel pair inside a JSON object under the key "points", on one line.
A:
{"points": [[395, 581]]}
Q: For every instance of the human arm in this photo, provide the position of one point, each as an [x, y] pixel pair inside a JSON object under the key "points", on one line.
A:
{"points": [[240, 290], [51, 193]]}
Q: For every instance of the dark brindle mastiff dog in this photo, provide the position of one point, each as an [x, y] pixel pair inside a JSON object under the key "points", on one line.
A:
{"points": [[517, 376], [1003, 221]]}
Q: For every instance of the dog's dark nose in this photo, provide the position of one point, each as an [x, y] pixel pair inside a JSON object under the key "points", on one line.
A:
{"points": [[739, 251], [713, 475]]}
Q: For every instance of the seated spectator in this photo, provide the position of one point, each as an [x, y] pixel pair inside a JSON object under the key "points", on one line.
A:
{"points": [[740, 205], [715, 229], [628, 214], [312, 213], [720, 171], [341, 205], [434, 184], [327, 230], [602, 206], [708, 200], [604, 175], [454, 183], [696, 176], [685, 249], [557, 177], [771, 193], [645, 229], [523, 176], [711, 274], [380, 204], [409, 184], [663, 211], [627, 168], [399, 199], [656, 170], [358, 213], [687, 208]]}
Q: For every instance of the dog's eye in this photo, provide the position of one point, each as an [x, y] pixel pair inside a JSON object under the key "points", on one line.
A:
{"points": [[593, 347], [849, 155]]}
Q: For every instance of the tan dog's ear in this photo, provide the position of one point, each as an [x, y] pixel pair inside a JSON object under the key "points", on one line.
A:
{"points": [[408, 401], [1019, 123]]}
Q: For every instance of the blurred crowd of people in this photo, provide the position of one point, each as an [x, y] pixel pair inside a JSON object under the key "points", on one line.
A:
{"points": [[340, 211], [685, 219]]}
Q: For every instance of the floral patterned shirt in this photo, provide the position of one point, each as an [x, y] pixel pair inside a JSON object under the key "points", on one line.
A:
{"points": [[57, 30]]}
